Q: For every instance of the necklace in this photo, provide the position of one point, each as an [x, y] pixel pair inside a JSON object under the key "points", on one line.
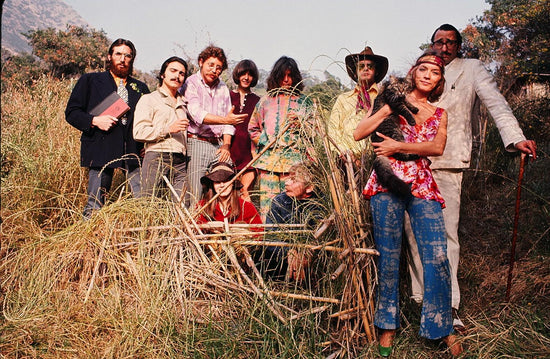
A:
{"points": [[243, 101]]}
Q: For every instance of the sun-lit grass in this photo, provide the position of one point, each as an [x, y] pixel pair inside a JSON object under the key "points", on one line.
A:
{"points": [[74, 289]]}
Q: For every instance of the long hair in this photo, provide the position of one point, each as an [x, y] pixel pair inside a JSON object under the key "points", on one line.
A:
{"points": [[234, 205], [278, 73], [213, 51], [128, 43], [242, 68], [438, 89], [168, 62]]}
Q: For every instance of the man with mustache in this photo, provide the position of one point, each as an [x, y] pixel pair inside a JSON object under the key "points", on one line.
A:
{"points": [[161, 121], [106, 141], [466, 82], [212, 118]]}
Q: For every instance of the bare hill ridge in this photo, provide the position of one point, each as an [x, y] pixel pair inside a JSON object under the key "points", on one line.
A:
{"points": [[21, 16]]}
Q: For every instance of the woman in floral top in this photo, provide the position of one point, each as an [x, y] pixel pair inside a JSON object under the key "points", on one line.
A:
{"points": [[424, 206], [284, 103]]}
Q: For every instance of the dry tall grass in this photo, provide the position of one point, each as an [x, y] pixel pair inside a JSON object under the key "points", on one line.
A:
{"points": [[92, 289], [96, 290]]}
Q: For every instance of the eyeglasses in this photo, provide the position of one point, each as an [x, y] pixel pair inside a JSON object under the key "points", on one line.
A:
{"points": [[361, 66], [440, 43], [120, 54]]}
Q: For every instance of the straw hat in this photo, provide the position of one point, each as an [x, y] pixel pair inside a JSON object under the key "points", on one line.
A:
{"points": [[220, 172], [381, 64]]}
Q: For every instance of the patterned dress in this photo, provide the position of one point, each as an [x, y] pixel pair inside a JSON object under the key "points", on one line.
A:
{"points": [[417, 173], [268, 119]]}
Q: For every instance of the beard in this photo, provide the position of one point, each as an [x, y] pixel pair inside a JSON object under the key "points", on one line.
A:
{"points": [[118, 71]]}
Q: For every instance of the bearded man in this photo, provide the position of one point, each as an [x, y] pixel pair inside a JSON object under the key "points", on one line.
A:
{"points": [[106, 141]]}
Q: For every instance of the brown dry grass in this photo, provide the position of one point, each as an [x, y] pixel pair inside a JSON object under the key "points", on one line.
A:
{"points": [[154, 299]]}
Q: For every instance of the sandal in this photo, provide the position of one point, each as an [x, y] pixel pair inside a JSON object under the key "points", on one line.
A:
{"points": [[385, 341]]}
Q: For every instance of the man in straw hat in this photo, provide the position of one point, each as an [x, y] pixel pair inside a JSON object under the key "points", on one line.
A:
{"points": [[366, 69]]}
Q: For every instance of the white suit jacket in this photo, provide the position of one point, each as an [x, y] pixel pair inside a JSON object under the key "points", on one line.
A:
{"points": [[467, 80]]}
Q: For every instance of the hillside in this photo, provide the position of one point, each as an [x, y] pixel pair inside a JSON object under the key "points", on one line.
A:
{"points": [[20, 16]]}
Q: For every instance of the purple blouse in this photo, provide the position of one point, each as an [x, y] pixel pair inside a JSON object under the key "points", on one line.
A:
{"points": [[241, 144]]}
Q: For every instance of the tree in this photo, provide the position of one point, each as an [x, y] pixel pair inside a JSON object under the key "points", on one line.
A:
{"points": [[23, 69], [513, 39], [514, 35], [71, 52], [326, 92]]}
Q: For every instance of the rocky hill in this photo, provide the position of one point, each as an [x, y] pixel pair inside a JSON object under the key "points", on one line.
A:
{"points": [[21, 16]]}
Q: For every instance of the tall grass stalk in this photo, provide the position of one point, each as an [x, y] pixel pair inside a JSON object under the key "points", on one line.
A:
{"points": [[74, 289]]}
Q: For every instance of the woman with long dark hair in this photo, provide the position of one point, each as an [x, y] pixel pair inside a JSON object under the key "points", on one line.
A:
{"points": [[283, 104]]}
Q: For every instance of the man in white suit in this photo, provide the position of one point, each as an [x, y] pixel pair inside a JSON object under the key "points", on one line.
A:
{"points": [[466, 80]]}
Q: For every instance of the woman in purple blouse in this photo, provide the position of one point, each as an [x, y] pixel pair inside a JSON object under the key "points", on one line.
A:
{"points": [[244, 100]]}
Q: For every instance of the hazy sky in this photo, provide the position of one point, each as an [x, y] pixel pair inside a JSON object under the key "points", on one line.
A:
{"points": [[318, 34]]}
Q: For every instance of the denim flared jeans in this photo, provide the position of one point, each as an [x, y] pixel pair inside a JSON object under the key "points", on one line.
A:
{"points": [[427, 223]]}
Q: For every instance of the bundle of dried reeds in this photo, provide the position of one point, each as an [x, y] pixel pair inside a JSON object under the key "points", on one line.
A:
{"points": [[141, 270]]}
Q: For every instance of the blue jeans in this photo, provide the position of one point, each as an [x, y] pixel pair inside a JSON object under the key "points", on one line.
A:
{"points": [[429, 229], [99, 184]]}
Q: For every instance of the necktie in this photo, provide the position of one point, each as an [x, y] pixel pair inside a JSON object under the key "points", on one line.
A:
{"points": [[363, 100], [123, 93]]}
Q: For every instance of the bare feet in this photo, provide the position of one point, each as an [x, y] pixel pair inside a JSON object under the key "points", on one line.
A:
{"points": [[455, 348], [385, 344], [386, 337]]}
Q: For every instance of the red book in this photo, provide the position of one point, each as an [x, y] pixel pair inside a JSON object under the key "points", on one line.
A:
{"points": [[112, 105]]}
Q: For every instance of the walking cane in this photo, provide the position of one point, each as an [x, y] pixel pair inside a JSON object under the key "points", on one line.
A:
{"points": [[515, 230]]}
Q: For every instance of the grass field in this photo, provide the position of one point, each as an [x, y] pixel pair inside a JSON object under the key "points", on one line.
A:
{"points": [[74, 289]]}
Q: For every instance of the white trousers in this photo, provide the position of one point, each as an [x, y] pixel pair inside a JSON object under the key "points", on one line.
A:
{"points": [[450, 186]]}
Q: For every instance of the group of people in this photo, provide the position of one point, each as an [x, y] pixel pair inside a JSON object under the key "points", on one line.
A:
{"points": [[192, 135], [199, 134]]}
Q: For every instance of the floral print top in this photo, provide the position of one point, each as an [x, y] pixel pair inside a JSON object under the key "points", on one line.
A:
{"points": [[417, 173]]}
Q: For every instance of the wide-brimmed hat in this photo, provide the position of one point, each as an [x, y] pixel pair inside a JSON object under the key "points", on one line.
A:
{"points": [[220, 172], [381, 64]]}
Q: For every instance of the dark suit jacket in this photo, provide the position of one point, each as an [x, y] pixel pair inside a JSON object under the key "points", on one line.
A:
{"points": [[97, 147]]}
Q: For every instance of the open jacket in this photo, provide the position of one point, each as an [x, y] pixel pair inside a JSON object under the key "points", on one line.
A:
{"points": [[466, 82], [99, 148]]}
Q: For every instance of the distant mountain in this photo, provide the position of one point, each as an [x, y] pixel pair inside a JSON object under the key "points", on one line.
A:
{"points": [[21, 16]]}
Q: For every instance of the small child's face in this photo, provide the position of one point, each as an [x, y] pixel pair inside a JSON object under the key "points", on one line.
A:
{"points": [[295, 187]]}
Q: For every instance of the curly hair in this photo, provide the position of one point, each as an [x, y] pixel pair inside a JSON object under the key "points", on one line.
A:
{"points": [[302, 172], [213, 51]]}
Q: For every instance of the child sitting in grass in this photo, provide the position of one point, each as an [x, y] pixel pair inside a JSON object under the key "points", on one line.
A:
{"points": [[296, 205]]}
